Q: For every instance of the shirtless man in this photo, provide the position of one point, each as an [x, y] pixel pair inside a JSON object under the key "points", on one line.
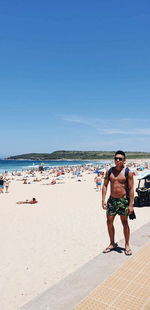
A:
{"points": [[118, 203], [98, 181]]}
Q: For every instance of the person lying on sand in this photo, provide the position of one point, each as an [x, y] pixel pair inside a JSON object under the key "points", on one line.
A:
{"points": [[36, 180], [25, 181], [53, 182], [27, 201]]}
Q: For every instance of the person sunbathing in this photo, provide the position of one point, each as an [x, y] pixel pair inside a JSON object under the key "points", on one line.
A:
{"points": [[27, 201], [36, 180], [53, 182]]}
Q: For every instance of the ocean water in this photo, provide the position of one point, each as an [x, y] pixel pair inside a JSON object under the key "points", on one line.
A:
{"points": [[18, 165]]}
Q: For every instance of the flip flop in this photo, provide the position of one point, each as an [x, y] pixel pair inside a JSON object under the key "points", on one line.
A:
{"points": [[108, 249], [128, 252]]}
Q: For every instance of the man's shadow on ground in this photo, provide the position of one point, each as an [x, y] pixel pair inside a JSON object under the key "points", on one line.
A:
{"points": [[119, 249]]}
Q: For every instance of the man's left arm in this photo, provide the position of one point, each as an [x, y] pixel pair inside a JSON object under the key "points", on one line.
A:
{"points": [[131, 191]]}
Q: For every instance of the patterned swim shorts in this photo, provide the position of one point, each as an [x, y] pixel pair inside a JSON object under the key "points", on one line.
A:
{"points": [[117, 206]]}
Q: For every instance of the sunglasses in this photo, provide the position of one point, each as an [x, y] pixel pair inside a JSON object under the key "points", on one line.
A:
{"points": [[119, 158]]}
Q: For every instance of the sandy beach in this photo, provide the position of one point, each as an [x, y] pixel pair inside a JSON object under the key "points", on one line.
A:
{"points": [[44, 242]]}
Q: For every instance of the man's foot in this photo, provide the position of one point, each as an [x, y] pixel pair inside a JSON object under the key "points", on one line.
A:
{"points": [[128, 252], [110, 248]]}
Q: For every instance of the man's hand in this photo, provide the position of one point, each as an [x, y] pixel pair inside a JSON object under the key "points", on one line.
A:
{"points": [[130, 209], [104, 205]]}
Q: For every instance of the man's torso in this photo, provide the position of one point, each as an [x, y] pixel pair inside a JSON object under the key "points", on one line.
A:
{"points": [[117, 183]]}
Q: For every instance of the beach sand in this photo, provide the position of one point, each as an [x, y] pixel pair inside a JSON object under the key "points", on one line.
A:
{"points": [[43, 243]]}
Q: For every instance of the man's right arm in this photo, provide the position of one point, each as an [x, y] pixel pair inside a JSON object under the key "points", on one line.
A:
{"points": [[104, 190]]}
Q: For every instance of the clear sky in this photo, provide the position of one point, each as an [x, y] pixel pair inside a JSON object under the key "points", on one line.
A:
{"points": [[74, 75]]}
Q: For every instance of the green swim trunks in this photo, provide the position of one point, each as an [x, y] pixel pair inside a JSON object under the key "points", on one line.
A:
{"points": [[117, 206]]}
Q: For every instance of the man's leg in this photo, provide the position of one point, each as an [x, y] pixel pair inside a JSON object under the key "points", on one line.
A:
{"points": [[126, 230], [111, 232], [111, 229]]}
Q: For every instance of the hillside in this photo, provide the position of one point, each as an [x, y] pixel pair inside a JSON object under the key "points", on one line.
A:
{"points": [[77, 155]]}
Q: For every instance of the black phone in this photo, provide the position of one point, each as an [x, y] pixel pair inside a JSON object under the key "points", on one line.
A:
{"points": [[132, 215]]}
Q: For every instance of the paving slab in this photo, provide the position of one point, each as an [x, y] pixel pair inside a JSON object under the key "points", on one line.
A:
{"points": [[69, 292], [127, 288]]}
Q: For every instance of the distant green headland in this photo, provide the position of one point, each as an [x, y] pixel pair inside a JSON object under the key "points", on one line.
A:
{"points": [[78, 155]]}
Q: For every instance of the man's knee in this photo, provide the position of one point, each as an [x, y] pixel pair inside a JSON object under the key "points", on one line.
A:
{"points": [[124, 221], [110, 220]]}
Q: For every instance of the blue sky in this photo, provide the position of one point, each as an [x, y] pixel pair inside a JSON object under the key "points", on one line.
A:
{"points": [[74, 75]]}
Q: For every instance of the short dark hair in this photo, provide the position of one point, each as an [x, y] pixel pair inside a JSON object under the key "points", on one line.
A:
{"points": [[121, 153]]}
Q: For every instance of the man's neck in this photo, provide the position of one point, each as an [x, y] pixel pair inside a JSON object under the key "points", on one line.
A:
{"points": [[119, 168]]}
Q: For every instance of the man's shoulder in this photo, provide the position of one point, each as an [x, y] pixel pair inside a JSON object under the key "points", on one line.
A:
{"points": [[110, 170], [130, 174]]}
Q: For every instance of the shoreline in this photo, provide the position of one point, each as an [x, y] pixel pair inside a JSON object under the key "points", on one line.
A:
{"points": [[65, 163]]}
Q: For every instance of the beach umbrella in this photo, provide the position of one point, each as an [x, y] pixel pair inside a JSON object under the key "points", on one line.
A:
{"points": [[61, 177], [99, 170], [77, 173]]}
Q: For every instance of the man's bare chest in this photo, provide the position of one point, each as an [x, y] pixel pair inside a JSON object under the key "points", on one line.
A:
{"points": [[117, 177]]}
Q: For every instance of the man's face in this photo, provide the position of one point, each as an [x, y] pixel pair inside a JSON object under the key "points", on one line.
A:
{"points": [[119, 160]]}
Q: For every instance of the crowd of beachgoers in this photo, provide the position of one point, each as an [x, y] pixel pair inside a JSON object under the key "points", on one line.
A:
{"points": [[57, 175], [46, 176]]}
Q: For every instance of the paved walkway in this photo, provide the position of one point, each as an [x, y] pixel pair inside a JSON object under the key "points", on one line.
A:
{"points": [[126, 289], [110, 281]]}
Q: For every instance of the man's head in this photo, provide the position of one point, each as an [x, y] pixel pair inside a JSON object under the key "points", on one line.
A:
{"points": [[120, 157]]}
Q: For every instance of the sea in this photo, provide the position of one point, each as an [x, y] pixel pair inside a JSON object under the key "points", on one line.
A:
{"points": [[22, 165]]}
